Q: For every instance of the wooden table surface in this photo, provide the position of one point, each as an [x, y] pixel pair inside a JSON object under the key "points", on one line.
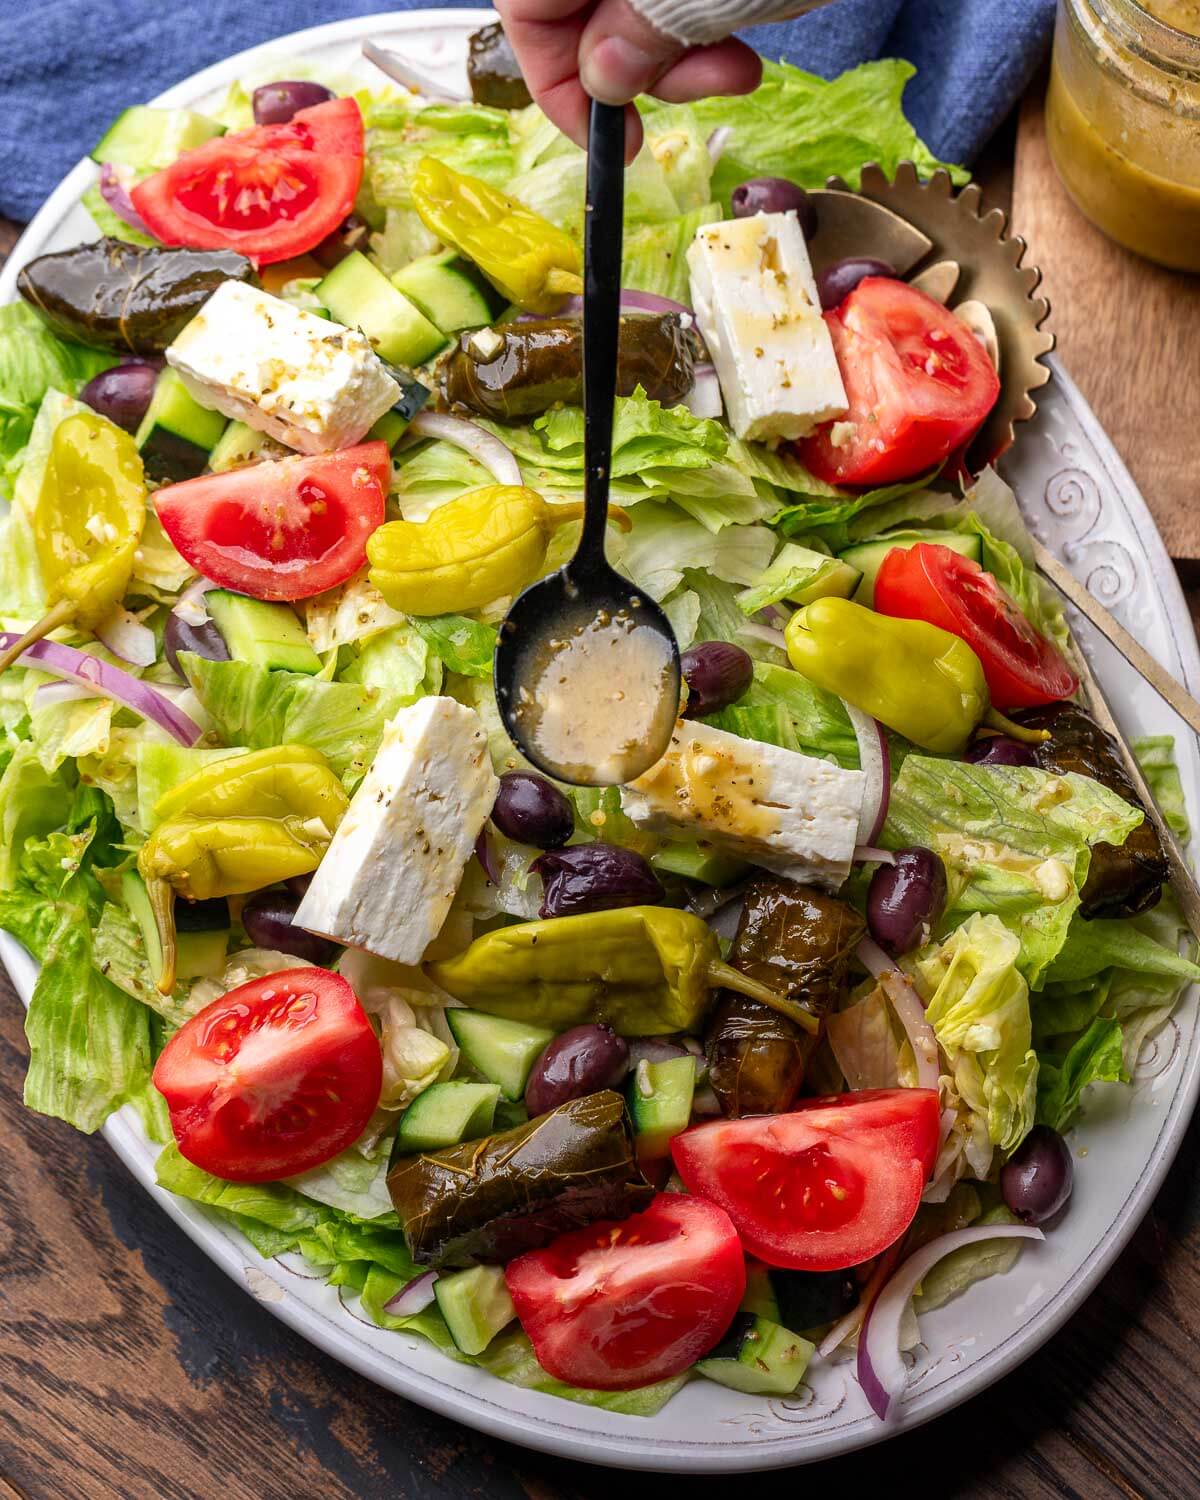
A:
{"points": [[132, 1369]]}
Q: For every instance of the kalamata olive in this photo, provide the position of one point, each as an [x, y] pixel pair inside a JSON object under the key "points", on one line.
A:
{"points": [[267, 918], [999, 750], [836, 282], [532, 810], [276, 103], [1036, 1180], [906, 900], [774, 195], [717, 674], [298, 885], [594, 877], [205, 640], [121, 394], [582, 1061]]}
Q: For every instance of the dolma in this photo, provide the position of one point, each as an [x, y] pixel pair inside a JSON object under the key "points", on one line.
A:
{"points": [[133, 299], [798, 941], [493, 70], [521, 369], [486, 1201], [1123, 879]]}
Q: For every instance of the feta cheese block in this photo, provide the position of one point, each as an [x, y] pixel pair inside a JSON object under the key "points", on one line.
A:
{"points": [[756, 304], [788, 812], [395, 863], [306, 381]]}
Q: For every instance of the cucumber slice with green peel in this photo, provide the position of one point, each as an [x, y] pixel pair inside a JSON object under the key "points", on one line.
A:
{"points": [[758, 1357], [799, 575], [161, 767], [177, 434], [502, 1050], [202, 931], [698, 860], [660, 1103], [868, 557], [446, 291], [760, 1296], [239, 445], [359, 295], [475, 1304], [392, 426], [262, 634], [146, 138], [447, 1114]]}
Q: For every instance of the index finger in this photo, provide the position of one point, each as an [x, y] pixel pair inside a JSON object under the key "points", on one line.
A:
{"points": [[545, 36]]}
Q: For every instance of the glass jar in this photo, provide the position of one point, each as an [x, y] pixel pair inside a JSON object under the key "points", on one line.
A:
{"points": [[1123, 121]]}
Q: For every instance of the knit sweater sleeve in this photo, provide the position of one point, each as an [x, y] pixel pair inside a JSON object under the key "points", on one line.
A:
{"points": [[697, 22]]}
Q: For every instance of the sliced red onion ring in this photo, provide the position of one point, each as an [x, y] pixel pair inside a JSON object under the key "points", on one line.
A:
{"points": [[103, 677], [717, 141], [873, 958], [758, 632], [867, 854], [49, 693], [705, 1104], [125, 636], [851, 1322], [705, 399], [881, 1371], [115, 193], [653, 1049], [483, 853], [190, 606], [876, 763], [907, 1005], [412, 78], [477, 441], [413, 1298], [631, 301]]}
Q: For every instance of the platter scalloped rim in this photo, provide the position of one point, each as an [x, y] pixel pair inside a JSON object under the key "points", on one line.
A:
{"points": [[1079, 498]]}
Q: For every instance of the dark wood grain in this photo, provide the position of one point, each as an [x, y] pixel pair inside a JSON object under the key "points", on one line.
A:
{"points": [[132, 1369]]}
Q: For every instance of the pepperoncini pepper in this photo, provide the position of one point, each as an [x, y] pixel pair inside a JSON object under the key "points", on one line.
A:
{"points": [[482, 546], [235, 826], [531, 261], [643, 970], [916, 678], [86, 524]]}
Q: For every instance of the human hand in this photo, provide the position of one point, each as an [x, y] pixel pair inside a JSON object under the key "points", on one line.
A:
{"points": [[572, 51]]}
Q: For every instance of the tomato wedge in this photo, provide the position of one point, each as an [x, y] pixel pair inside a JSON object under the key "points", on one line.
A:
{"points": [[823, 1187], [917, 380], [933, 583], [275, 1077], [269, 193], [284, 529], [618, 1305]]}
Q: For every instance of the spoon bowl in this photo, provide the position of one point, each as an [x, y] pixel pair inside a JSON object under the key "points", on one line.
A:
{"points": [[587, 666]]}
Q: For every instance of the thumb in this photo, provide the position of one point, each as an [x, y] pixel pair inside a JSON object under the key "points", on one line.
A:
{"points": [[621, 55]]}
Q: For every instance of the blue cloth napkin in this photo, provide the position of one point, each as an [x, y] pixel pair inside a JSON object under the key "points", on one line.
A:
{"points": [[71, 66]]}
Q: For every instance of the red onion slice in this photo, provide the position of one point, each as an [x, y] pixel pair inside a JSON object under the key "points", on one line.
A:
{"points": [[483, 853], [412, 78], [866, 854], [705, 1104], [413, 1298], [631, 301], [758, 632], [876, 763], [851, 1322], [125, 636], [103, 677], [907, 1005], [115, 193], [653, 1049], [881, 1371], [705, 399], [717, 141], [477, 441], [46, 694]]}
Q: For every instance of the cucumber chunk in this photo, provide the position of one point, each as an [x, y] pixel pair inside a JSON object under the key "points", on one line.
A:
{"points": [[447, 1114], [660, 1103], [760, 1296], [475, 1304], [177, 434], [359, 295], [445, 290], [503, 1051], [146, 139], [392, 426], [800, 575], [202, 931], [239, 445], [758, 1357], [262, 634], [868, 557], [697, 860]]}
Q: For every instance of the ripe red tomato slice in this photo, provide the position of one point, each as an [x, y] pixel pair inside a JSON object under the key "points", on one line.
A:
{"points": [[823, 1187], [918, 382], [275, 1077], [284, 529], [270, 193], [933, 583], [618, 1305]]}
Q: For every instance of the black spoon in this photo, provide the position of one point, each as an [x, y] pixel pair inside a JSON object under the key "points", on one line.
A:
{"points": [[587, 666]]}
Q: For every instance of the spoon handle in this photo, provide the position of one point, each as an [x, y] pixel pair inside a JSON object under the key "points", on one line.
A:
{"points": [[602, 226]]}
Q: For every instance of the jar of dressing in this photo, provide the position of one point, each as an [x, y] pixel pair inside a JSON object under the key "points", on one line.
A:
{"points": [[1123, 121]]}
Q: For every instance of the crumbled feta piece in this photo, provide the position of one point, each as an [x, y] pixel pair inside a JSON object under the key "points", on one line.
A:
{"points": [[304, 380], [757, 306]]}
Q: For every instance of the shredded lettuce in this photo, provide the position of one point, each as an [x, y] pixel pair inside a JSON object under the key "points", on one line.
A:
{"points": [[1095, 1057], [462, 645]]}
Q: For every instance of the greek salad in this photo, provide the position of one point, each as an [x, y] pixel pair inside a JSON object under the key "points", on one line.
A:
{"points": [[708, 1076]]}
